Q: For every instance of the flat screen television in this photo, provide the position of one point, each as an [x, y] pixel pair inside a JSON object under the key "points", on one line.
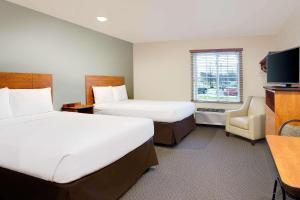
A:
{"points": [[283, 67]]}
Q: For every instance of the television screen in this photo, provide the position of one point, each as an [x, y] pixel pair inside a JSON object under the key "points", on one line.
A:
{"points": [[283, 67]]}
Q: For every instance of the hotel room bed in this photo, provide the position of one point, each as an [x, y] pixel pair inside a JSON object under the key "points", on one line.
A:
{"points": [[160, 111], [60, 150], [173, 120], [72, 156]]}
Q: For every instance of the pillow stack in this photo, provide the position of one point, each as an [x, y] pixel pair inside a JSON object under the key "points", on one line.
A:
{"points": [[20, 102], [110, 94]]}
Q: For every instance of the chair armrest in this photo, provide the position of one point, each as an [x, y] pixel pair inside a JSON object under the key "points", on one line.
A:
{"points": [[257, 126]]}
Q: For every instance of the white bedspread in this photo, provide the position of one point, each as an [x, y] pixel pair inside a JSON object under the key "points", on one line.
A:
{"points": [[159, 111], [63, 147]]}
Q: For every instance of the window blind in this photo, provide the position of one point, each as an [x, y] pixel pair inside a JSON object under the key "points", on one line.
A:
{"points": [[217, 75]]}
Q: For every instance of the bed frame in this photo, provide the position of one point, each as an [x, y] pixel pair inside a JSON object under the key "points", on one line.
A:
{"points": [[108, 183], [164, 133]]}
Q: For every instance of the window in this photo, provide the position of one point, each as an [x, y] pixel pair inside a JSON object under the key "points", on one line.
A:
{"points": [[217, 75]]}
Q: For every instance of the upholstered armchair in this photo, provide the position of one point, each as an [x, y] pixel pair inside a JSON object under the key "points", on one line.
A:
{"points": [[248, 121]]}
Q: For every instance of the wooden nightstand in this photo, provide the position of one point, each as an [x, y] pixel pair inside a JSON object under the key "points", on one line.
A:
{"points": [[78, 107]]}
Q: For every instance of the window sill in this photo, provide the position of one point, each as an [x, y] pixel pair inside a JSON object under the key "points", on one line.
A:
{"points": [[219, 102]]}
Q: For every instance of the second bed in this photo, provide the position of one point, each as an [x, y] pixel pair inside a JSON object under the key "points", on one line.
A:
{"points": [[173, 120]]}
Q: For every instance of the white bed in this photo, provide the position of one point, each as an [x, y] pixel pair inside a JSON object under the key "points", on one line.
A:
{"points": [[173, 120], [62, 147], [159, 111]]}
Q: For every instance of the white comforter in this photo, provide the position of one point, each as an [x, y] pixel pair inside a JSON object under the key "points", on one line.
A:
{"points": [[63, 147], [160, 111]]}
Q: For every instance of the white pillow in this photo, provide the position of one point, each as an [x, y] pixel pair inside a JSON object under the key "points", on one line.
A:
{"points": [[103, 95], [30, 101], [120, 93], [5, 111]]}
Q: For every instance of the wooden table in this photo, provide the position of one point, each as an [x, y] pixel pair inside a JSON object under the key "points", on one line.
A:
{"points": [[78, 107], [286, 154]]}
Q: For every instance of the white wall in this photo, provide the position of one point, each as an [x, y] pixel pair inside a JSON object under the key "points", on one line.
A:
{"points": [[289, 35], [162, 70], [37, 43]]}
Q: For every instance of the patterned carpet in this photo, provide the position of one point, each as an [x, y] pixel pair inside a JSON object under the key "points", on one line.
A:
{"points": [[207, 165]]}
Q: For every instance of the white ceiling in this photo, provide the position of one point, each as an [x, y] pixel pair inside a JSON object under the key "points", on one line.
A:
{"points": [[160, 20]]}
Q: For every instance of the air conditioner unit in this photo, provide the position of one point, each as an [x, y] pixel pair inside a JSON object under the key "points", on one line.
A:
{"points": [[210, 116]]}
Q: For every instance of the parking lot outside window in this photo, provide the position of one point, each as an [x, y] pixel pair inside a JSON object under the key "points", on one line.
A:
{"points": [[217, 75]]}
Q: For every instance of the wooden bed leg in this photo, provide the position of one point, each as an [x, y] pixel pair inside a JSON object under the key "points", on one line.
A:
{"points": [[227, 134], [252, 142]]}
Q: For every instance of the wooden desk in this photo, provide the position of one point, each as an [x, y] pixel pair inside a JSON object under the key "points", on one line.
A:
{"points": [[286, 154]]}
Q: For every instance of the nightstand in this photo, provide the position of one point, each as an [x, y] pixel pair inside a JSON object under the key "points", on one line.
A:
{"points": [[78, 107]]}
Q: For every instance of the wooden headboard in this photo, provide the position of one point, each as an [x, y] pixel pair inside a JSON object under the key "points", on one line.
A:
{"points": [[25, 80], [94, 80]]}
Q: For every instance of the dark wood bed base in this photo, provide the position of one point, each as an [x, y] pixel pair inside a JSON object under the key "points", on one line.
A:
{"points": [[109, 183], [172, 133], [165, 133]]}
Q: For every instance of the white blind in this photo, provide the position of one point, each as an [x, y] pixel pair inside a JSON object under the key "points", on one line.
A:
{"points": [[217, 75]]}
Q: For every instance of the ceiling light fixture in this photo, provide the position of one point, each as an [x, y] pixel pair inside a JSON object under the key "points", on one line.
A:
{"points": [[102, 19]]}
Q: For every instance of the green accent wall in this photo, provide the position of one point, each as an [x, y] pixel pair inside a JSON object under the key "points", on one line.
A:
{"points": [[34, 42]]}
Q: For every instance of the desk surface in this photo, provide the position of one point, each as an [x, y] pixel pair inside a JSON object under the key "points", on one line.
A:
{"points": [[286, 154]]}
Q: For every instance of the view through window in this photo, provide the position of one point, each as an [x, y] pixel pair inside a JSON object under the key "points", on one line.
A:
{"points": [[217, 75]]}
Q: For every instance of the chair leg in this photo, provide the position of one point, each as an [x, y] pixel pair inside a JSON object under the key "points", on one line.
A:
{"points": [[227, 134], [283, 193], [274, 190]]}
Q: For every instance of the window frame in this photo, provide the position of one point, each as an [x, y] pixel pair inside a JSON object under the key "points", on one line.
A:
{"points": [[240, 51]]}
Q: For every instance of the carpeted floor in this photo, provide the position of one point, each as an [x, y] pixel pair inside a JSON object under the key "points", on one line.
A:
{"points": [[207, 165]]}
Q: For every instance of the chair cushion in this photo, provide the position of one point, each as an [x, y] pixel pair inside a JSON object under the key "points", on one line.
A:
{"points": [[240, 122]]}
